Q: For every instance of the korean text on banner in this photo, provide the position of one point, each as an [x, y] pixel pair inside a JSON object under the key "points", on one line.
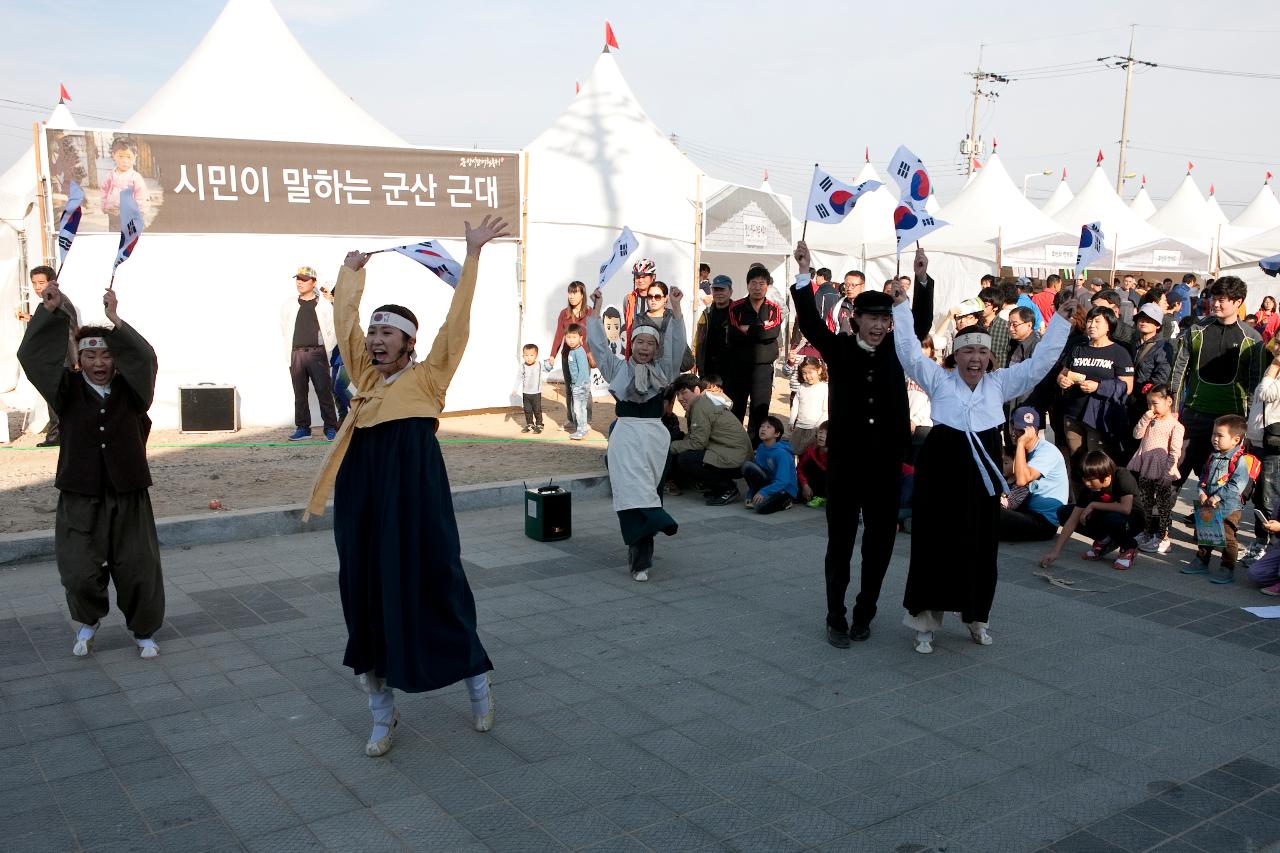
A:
{"points": [[202, 185], [831, 200], [911, 218], [434, 257], [70, 221], [1092, 246]]}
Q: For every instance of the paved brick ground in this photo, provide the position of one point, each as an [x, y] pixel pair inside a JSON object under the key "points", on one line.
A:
{"points": [[700, 711]]}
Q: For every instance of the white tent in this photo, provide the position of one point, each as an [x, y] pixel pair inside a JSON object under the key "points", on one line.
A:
{"points": [[234, 285], [1059, 198], [1241, 259], [20, 249], [1185, 216], [1214, 210], [1142, 203], [600, 166], [1142, 246], [1262, 213]]}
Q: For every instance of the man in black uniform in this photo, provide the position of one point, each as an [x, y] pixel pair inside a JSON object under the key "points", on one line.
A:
{"points": [[868, 437], [755, 324]]}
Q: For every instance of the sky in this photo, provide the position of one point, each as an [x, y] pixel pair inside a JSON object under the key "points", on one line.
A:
{"points": [[744, 86]]}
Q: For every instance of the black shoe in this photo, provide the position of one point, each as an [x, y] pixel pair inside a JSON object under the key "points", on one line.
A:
{"points": [[723, 499], [837, 637], [527, 428], [538, 429], [48, 442], [860, 633]]}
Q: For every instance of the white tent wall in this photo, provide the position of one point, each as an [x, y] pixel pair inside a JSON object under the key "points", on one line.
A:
{"points": [[11, 273], [211, 307]]}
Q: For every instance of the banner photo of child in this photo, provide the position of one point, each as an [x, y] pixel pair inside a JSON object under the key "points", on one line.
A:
{"points": [[105, 164]]}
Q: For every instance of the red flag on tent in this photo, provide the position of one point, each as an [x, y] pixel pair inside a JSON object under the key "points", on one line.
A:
{"points": [[577, 87], [610, 39], [1099, 156], [976, 163], [866, 154], [1210, 189], [62, 93], [1268, 177], [1190, 166], [766, 176], [994, 144], [1064, 173], [1144, 180]]}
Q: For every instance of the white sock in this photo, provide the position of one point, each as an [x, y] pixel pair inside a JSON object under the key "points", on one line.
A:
{"points": [[478, 690], [86, 633], [382, 704]]}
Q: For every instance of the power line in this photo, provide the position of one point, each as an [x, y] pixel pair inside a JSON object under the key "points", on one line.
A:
{"points": [[40, 108]]}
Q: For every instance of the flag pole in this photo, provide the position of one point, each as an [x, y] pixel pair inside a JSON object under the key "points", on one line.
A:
{"points": [[1115, 259], [804, 229]]}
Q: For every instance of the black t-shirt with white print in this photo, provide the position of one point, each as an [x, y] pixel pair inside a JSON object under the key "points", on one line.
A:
{"points": [[1096, 363]]}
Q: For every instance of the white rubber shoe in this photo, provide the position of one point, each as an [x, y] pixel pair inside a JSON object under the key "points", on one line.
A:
{"points": [[84, 640], [924, 642], [978, 630], [147, 649]]}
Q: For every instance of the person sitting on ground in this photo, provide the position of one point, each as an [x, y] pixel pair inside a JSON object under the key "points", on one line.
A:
{"points": [[771, 476], [715, 446], [1039, 468], [811, 470], [809, 406], [1224, 487], [1155, 463], [1108, 508]]}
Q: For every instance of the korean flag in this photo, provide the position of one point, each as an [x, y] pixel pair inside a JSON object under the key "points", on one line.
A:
{"points": [[70, 221], [434, 257], [830, 200], [130, 226], [623, 248], [911, 222], [1092, 246], [909, 174]]}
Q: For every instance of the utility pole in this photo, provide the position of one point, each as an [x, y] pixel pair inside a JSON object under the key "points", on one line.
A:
{"points": [[1126, 62], [970, 146]]}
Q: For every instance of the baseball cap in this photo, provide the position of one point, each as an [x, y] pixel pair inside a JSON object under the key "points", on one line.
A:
{"points": [[722, 282], [1023, 417], [308, 272], [1152, 312]]}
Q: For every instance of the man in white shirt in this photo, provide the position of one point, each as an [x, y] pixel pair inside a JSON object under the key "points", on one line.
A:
{"points": [[307, 326]]}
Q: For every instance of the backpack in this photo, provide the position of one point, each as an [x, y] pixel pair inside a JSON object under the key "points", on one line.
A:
{"points": [[1252, 465]]}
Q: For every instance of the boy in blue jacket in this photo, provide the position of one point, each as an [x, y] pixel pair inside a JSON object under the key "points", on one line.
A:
{"points": [[771, 477], [1223, 482]]}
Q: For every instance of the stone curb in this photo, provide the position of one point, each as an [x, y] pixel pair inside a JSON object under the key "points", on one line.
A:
{"points": [[234, 525]]}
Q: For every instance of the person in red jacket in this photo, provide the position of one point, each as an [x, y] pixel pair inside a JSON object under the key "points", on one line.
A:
{"points": [[755, 327], [811, 470]]}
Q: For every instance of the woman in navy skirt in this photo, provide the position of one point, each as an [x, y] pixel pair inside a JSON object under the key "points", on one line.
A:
{"points": [[411, 618]]}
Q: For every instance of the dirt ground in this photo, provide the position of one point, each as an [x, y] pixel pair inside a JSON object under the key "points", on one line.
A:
{"points": [[259, 468]]}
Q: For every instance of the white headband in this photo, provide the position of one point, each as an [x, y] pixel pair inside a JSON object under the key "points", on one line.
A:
{"points": [[646, 329], [92, 343], [971, 339], [390, 318]]}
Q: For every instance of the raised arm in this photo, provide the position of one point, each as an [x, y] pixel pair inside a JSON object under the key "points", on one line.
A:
{"points": [[451, 341], [134, 358], [43, 351], [1025, 375], [346, 321], [926, 372], [809, 319], [674, 337]]}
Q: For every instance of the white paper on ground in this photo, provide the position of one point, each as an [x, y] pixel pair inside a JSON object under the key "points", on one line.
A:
{"points": [[1272, 612]]}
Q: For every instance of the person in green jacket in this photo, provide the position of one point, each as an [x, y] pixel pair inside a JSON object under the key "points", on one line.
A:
{"points": [[716, 445]]}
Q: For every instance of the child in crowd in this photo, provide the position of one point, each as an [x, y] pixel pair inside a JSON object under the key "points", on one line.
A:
{"points": [[579, 380], [1226, 478], [771, 478], [809, 405], [811, 470], [1109, 508], [529, 384], [1155, 464], [123, 177]]}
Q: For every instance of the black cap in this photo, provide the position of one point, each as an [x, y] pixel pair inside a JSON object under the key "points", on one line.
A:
{"points": [[722, 281], [873, 302]]}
